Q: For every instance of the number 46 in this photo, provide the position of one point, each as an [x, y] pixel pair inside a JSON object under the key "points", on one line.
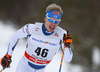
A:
{"points": [[43, 52]]}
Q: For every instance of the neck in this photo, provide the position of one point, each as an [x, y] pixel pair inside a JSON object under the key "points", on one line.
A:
{"points": [[45, 30]]}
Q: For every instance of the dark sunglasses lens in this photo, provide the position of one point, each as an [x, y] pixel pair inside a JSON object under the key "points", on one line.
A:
{"points": [[56, 22]]}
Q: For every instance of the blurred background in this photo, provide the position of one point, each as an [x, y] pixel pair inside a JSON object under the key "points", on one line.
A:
{"points": [[81, 18]]}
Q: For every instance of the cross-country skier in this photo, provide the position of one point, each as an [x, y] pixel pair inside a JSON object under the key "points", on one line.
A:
{"points": [[43, 42]]}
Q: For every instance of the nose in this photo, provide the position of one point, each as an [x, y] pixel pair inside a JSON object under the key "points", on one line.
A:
{"points": [[53, 24]]}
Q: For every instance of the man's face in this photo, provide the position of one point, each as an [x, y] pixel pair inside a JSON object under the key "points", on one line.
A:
{"points": [[50, 26]]}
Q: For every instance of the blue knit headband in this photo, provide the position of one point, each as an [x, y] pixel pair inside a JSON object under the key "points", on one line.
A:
{"points": [[54, 14]]}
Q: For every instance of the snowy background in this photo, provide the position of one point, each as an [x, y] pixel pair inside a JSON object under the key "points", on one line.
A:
{"points": [[6, 32]]}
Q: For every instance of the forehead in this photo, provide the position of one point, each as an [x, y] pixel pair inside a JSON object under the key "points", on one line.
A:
{"points": [[54, 14]]}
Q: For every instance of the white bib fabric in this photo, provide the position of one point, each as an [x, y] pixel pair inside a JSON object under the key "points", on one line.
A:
{"points": [[42, 47]]}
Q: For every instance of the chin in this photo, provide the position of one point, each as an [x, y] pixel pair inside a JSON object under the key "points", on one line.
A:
{"points": [[51, 30]]}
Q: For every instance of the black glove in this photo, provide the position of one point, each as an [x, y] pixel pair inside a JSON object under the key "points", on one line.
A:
{"points": [[67, 40], [6, 60]]}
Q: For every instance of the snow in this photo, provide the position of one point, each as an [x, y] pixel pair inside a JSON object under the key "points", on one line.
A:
{"points": [[6, 32], [96, 56]]}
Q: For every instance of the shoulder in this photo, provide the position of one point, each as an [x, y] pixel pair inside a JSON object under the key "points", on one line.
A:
{"points": [[61, 30], [29, 28], [38, 24], [29, 25]]}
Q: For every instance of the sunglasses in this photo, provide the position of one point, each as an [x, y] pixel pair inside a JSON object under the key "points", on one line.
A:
{"points": [[51, 20]]}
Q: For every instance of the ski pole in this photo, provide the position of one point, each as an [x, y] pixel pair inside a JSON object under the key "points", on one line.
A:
{"points": [[3, 67], [62, 59], [2, 70]]}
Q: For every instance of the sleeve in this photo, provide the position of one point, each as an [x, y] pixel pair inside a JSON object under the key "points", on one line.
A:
{"points": [[68, 53], [25, 31]]}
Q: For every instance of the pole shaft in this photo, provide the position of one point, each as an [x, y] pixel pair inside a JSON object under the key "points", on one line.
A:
{"points": [[62, 59]]}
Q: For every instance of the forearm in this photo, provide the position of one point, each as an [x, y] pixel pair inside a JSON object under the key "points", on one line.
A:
{"points": [[14, 40], [68, 54]]}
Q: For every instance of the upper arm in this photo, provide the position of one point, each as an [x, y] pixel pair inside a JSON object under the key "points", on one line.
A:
{"points": [[25, 31]]}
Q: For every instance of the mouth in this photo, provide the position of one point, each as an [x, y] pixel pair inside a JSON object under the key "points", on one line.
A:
{"points": [[51, 27]]}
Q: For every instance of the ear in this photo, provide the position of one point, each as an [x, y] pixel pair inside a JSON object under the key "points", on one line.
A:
{"points": [[45, 19]]}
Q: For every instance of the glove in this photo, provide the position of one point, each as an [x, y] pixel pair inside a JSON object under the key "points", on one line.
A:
{"points": [[6, 60], [67, 40]]}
